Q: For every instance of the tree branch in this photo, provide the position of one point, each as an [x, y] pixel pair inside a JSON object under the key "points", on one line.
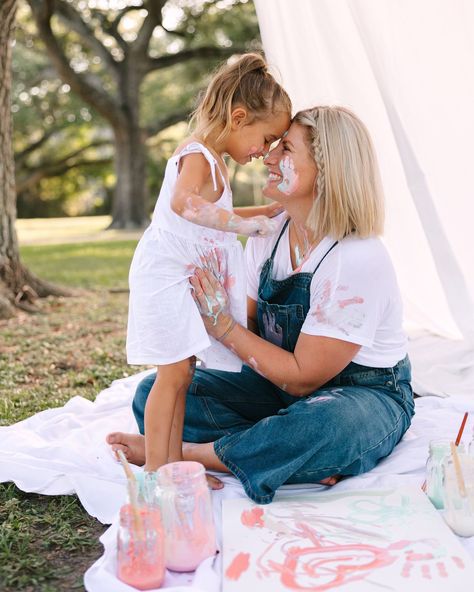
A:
{"points": [[21, 156], [54, 169], [84, 86], [111, 28], [74, 21], [188, 54], [167, 121], [152, 20]]}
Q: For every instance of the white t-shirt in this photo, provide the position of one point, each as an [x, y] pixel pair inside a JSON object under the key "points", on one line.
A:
{"points": [[354, 293]]}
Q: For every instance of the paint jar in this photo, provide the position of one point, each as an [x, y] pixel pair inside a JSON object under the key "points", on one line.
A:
{"points": [[458, 500], [140, 540], [438, 451], [187, 515]]}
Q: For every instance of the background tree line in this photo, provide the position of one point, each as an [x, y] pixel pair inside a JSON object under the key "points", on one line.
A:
{"points": [[98, 88], [95, 84]]}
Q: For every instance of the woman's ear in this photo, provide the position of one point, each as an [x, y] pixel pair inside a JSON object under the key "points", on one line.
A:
{"points": [[238, 117]]}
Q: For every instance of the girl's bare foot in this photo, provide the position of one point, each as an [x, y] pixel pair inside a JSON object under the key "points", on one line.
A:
{"points": [[132, 445]]}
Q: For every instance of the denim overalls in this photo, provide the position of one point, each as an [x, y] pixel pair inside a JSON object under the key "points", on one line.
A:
{"points": [[283, 304], [267, 437]]}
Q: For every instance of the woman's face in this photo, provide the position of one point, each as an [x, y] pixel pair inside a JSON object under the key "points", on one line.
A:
{"points": [[291, 168]]}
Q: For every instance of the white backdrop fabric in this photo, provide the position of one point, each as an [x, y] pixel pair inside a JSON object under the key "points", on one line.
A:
{"points": [[407, 69]]}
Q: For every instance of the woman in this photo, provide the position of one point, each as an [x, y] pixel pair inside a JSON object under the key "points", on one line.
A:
{"points": [[326, 389]]}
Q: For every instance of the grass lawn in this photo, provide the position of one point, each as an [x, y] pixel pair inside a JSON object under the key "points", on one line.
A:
{"points": [[74, 346]]}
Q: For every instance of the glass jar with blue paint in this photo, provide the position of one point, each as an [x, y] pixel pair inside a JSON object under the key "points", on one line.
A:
{"points": [[439, 449]]}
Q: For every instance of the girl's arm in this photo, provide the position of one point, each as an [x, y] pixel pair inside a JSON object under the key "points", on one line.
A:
{"points": [[188, 201], [269, 210], [315, 359]]}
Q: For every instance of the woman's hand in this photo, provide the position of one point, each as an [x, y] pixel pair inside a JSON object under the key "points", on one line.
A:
{"points": [[212, 301]]}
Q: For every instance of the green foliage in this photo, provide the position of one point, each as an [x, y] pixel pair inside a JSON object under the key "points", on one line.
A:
{"points": [[43, 104]]}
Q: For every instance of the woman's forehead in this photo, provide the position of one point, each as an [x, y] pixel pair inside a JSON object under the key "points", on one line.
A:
{"points": [[296, 135]]}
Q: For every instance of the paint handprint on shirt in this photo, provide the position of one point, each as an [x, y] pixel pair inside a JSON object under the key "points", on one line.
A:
{"points": [[345, 314], [273, 331]]}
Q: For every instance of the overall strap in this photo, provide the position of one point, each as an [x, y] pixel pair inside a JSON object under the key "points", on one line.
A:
{"points": [[278, 239], [324, 256]]}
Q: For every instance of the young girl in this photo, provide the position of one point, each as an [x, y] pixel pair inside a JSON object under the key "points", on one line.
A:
{"points": [[242, 113]]}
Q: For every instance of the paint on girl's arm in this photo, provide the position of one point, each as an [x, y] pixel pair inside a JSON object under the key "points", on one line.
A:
{"points": [[290, 178]]}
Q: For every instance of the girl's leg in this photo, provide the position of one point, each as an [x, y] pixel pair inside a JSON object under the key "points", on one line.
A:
{"points": [[176, 438], [160, 409]]}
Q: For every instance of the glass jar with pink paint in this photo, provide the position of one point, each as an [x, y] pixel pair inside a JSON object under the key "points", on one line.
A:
{"points": [[187, 515], [140, 539]]}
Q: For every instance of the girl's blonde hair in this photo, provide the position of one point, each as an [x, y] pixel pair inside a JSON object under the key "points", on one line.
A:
{"points": [[349, 195], [245, 82]]}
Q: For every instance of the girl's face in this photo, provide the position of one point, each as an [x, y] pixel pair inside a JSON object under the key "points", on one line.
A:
{"points": [[291, 168], [253, 140]]}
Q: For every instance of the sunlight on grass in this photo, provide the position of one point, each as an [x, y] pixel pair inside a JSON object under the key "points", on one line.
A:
{"points": [[84, 265]]}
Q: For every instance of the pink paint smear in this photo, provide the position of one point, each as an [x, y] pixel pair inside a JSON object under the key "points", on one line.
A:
{"points": [[239, 564]]}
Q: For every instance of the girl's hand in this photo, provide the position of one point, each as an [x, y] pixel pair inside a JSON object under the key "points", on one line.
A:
{"points": [[259, 226], [212, 301]]}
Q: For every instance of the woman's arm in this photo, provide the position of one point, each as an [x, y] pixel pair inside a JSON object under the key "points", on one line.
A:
{"points": [[314, 361], [189, 202]]}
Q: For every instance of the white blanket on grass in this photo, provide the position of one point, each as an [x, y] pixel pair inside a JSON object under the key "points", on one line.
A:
{"points": [[63, 450]]}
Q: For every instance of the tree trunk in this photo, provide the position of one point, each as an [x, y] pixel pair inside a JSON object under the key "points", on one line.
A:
{"points": [[130, 194], [18, 287], [130, 204]]}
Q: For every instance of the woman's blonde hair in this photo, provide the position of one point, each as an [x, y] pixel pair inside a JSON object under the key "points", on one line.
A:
{"points": [[349, 195], [245, 82]]}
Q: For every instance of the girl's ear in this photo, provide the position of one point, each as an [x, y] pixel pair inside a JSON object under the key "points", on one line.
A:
{"points": [[238, 117]]}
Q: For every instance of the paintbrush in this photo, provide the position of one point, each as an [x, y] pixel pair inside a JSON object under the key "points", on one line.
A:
{"points": [[458, 440], [458, 469], [132, 491]]}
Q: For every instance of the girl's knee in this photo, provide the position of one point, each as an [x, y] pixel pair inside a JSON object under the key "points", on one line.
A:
{"points": [[179, 375]]}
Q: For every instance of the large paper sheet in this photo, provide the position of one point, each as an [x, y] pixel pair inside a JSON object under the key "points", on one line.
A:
{"points": [[389, 539]]}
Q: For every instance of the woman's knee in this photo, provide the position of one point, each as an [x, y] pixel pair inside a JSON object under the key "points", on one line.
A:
{"points": [[140, 398]]}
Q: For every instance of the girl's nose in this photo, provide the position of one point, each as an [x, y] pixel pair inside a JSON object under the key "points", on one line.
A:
{"points": [[271, 156]]}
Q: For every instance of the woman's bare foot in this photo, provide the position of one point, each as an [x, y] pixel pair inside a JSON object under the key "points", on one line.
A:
{"points": [[331, 480], [214, 482], [132, 445]]}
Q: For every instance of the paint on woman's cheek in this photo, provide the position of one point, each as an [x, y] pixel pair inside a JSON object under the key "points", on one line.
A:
{"points": [[290, 178]]}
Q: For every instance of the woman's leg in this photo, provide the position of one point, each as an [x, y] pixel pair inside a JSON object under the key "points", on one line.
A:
{"points": [[344, 430], [217, 403]]}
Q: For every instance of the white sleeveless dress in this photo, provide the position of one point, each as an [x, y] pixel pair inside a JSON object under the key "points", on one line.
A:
{"points": [[164, 323]]}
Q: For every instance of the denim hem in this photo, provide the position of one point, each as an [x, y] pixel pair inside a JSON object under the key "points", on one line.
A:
{"points": [[241, 476]]}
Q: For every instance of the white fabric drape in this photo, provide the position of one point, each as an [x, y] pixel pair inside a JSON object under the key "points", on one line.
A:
{"points": [[407, 69]]}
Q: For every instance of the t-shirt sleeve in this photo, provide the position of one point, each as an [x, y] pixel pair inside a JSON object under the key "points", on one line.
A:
{"points": [[348, 295]]}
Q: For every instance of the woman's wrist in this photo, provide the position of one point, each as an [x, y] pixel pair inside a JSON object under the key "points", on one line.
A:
{"points": [[227, 331]]}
